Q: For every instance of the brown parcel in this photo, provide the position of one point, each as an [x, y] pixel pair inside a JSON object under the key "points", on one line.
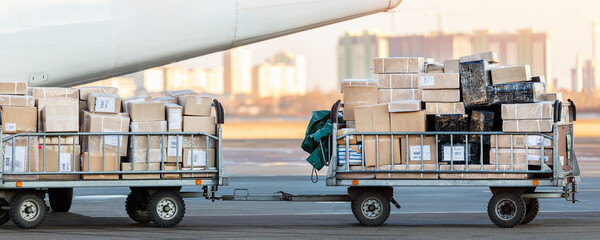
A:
{"points": [[140, 167], [174, 115], [391, 95], [99, 122], [147, 155], [68, 160], [60, 118], [398, 65], [445, 108], [54, 140], [520, 141], [520, 156], [19, 119], [553, 97], [405, 106], [104, 103], [85, 91], [372, 118], [527, 125], [355, 96], [125, 101], [17, 101], [540, 110], [439, 81], [385, 152], [195, 105], [165, 99], [398, 80], [145, 141], [171, 167], [502, 168], [451, 65], [13, 88], [21, 158], [357, 82], [53, 92], [511, 74], [351, 138], [490, 57], [199, 124], [414, 147], [198, 158], [408, 121], [146, 111], [96, 163], [41, 103], [411, 167], [441, 95]]}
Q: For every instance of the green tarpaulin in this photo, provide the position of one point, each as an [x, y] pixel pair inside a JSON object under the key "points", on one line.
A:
{"points": [[316, 141]]}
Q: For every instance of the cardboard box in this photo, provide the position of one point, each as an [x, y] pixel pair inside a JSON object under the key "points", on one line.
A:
{"points": [[520, 156], [451, 65], [408, 121], [165, 99], [490, 57], [67, 160], [153, 141], [171, 167], [439, 81], [147, 155], [198, 158], [564, 146], [385, 152], [444, 108], [544, 125], [398, 81], [140, 167], [354, 154], [99, 122], [26, 157], [372, 118], [60, 118], [352, 139], [474, 79], [391, 95], [54, 140], [441, 95], [414, 150], [408, 175], [84, 92], [434, 67], [511, 74], [53, 92], [146, 111], [176, 145], [13, 88], [195, 105], [137, 99], [553, 97], [357, 82], [41, 103], [521, 141], [541, 110], [398, 65], [100, 162], [174, 115], [104, 103], [522, 92], [405, 106], [19, 119], [17, 101], [179, 93], [199, 124], [358, 96]]}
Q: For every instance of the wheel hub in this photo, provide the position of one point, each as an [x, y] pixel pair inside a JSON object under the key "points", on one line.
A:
{"points": [[166, 208], [506, 209], [29, 210], [371, 208]]}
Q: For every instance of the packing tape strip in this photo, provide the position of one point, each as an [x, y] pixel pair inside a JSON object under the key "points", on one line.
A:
{"points": [[407, 59], [383, 65], [15, 91]]}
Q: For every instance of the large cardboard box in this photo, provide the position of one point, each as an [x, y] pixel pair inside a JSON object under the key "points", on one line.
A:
{"points": [[541, 110], [398, 81], [441, 95], [140, 142], [146, 111], [405, 106], [372, 118], [19, 119], [99, 122], [544, 125], [140, 167], [104, 103], [520, 156], [522, 92], [408, 175], [165, 99], [199, 124], [67, 160], [84, 92], [55, 140], [385, 150], [355, 96], [398, 65], [60, 118], [444, 108], [354, 154], [137, 99], [391, 95], [553, 97], [171, 167], [511, 74], [198, 158], [521, 141], [41, 103], [99, 162], [147, 155], [352, 139], [415, 152], [439, 81], [195, 105], [25, 159], [490, 57], [357, 82], [174, 115], [53, 92], [17, 101], [13, 88], [451, 65], [408, 121]]}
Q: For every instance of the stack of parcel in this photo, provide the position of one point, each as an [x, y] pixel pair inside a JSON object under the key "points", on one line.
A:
{"points": [[470, 94]]}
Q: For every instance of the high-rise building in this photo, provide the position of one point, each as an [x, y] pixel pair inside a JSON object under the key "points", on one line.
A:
{"points": [[356, 51], [577, 75], [177, 78], [437, 45], [588, 76], [237, 71], [282, 75], [596, 55], [154, 80]]}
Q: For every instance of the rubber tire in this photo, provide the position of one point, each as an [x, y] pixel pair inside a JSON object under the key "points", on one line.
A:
{"points": [[21, 198], [519, 205], [533, 207], [60, 199], [4, 216], [175, 198], [357, 203], [136, 206]]}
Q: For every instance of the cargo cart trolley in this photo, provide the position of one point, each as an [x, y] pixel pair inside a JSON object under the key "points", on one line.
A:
{"points": [[25, 182]]}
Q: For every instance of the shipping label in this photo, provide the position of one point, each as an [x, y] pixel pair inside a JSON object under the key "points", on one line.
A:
{"points": [[10, 127], [104, 104], [537, 141], [175, 146], [456, 153], [19, 161], [415, 152], [426, 81], [197, 158], [64, 162], [532, 157], [175, 119]]}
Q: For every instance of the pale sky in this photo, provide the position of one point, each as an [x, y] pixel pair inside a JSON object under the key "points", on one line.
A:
{"points": [[570, 32]]}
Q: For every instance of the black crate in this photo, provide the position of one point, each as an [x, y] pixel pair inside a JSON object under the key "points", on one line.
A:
{"points": [[474, 78], [522, 92]]}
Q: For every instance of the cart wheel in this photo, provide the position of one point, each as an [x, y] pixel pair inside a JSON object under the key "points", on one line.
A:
{"points": [[60, 199], [28, 210], [532, 208], [506, 209], [166, 208], [4, 216], [371, 208], [136, 206]]}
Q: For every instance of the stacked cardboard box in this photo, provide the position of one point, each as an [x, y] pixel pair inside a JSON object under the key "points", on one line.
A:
{"points": [[356, 93], [198, 152], [398, 78]]}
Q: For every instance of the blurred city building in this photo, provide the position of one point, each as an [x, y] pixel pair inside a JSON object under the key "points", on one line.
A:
{"points": [[237, 71], [282, 75], [355, 53]]}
